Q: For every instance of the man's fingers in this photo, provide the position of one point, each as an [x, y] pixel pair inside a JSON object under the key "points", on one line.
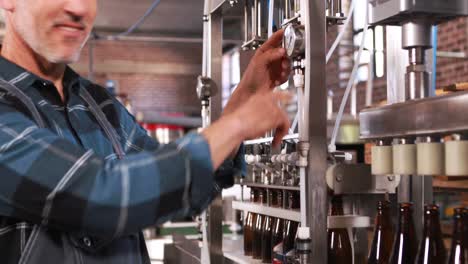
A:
{"points": [[282, 129], [273, 42], [273, 55], [282, 126]]}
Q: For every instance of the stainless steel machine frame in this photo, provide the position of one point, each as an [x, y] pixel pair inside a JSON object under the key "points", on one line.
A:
{"points": [[312, 145], [314, 19]]}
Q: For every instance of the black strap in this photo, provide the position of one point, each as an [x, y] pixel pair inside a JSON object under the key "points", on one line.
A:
{"points": [[94, 108], [104, 122], [24, 99]]}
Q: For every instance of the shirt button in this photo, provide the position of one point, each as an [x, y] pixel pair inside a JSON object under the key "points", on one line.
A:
{"points": [[87, 241]]}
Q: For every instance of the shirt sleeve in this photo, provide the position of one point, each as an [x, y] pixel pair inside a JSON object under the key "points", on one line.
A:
{"points": [[230, 168], [136, 137], [51, 181]]}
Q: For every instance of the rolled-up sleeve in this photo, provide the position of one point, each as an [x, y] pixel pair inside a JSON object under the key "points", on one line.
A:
{"points": [[231, 168]]}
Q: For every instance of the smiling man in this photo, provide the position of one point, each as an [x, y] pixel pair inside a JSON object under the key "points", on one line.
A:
{"points": [[79, 178]]}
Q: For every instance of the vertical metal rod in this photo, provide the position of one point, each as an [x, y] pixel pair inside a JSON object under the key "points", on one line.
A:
{"points": [[260, 18], [421, 189], [370, 79], [397, 60], [287, 9], [336, 9], [314, 19], [254, 14], [215, 211], [297, 6], [281, 15], [205, 113], [246, 21], [271, 18], [331, 7]]}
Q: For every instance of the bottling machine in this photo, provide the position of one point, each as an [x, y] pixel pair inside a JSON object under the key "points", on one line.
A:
{"points": [[415, 136]]}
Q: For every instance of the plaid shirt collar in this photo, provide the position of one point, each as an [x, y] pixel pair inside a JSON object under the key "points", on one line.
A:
{"points": [[24, 79]]}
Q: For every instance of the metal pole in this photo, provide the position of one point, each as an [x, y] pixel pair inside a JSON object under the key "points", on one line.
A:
{"points": [[215, 211], [314, 19], [287, 9], [246, 22], [254, 14]]}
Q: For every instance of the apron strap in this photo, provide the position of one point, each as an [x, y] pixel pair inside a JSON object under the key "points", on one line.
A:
{"points": [[24, 99], [103, 122]]}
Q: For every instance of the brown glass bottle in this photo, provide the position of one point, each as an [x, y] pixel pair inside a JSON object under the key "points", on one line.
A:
{"points": [[257, 230], [431, 249], [249, 225], [339, 245], [459, 248], [267, 231], [382, 242], [405, 244], [278, 223], [290, 227]]}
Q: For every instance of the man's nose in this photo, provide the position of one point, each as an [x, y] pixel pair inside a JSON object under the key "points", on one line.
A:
{"points": [[77, 9]]}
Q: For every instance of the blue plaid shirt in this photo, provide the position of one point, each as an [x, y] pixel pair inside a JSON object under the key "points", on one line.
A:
{"points": [[67, 176]]}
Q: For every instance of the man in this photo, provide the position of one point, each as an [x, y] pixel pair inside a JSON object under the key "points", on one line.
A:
{"points": [[79, 177]]}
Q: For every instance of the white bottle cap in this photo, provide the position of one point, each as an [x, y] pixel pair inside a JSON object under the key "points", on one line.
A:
{"points": [[303, 233]]}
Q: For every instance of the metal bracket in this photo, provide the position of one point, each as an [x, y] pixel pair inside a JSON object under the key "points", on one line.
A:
{"points": [[303, 150], [206, 88], [357, 179]]}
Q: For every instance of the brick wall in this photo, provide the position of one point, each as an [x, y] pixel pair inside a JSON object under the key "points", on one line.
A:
{"points": [[452, 36], [162, 76], [157, 76]]}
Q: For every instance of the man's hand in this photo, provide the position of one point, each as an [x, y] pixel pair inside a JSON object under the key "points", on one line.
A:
{"points": [[262, 112], [268, 68]]}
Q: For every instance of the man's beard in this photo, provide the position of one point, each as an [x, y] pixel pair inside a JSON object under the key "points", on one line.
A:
{"points": [[42, 49]]}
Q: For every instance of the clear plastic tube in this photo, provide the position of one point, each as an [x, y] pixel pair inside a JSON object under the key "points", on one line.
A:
{"points": [[303, 198], [341, 34], [332, 146], [294, 125]]}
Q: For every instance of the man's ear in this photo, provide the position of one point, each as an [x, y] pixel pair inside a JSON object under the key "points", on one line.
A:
{"points": [[8, 5]]}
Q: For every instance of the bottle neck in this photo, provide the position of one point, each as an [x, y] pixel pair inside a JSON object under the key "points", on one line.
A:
{"points": [[405, 224], [262, 197], [293, 201], [337, 206], [431, 222], [277, 199], [383, 218], [458, 226]]}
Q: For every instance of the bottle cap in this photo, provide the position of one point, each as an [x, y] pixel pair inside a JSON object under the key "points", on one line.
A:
{"points": [[303, 233]]}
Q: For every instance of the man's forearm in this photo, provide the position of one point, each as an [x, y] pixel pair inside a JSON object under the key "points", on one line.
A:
{"points": [[224, 137]]}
